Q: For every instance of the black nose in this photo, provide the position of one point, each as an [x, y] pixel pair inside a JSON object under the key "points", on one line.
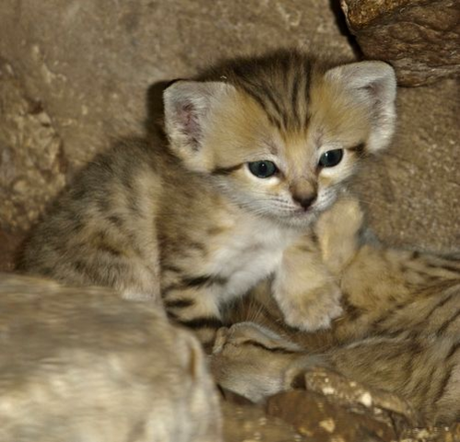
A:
{"points": [[305, 201]]}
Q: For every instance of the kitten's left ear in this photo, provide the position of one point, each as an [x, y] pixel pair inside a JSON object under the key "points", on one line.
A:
{"points": [[189, 110], [371, 84]]}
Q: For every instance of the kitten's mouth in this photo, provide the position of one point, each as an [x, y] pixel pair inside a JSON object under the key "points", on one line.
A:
{"points": [[305, 209], [299, 215], [303, 212]]}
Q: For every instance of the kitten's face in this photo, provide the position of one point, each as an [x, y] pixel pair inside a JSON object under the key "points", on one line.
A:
{"points": [[286, 175], [278, 150]]}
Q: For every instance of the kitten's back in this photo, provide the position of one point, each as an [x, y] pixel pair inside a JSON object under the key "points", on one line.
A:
{"points": [[99, 231]]}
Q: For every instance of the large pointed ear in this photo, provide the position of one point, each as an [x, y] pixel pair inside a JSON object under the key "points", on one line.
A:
{"points": [[371, 84], [189, 107]]}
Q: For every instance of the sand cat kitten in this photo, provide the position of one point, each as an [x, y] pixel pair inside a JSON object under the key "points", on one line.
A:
{"points": [[257, 148], [400, 331], [85, 365]]}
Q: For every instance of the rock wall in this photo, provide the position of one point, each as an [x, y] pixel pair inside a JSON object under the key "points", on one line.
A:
{"points": [[419, 38]]}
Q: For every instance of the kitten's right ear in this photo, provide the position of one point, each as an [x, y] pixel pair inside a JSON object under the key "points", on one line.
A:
{"points": [[372, 84], [189, 108]]}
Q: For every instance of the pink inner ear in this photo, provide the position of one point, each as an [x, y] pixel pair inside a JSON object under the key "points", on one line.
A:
{"points": [[189, 123]]}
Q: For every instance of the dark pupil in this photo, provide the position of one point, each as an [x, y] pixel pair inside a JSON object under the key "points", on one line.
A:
{"points": [[331, 158], [262, 169]]}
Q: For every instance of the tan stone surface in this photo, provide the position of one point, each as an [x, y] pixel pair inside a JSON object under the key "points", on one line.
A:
{"points": [[420, 38], [32, 162]]}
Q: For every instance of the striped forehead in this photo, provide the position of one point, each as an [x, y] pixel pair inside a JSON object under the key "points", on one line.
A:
{"points": [[298, 153], [282, 92]]}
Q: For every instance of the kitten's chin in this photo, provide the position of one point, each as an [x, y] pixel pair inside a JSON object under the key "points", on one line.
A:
{"points": [[298, 218], [292, 219]]}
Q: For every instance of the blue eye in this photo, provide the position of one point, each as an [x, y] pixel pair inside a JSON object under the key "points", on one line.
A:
{"points": [[262, 169], [331, 158]]}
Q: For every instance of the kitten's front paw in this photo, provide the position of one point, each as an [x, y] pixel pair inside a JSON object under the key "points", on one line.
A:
{"points": [[314, 311]]}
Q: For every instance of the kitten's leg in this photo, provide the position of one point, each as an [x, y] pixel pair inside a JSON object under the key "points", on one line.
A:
{"points": [[337, 231], [304, 289]]}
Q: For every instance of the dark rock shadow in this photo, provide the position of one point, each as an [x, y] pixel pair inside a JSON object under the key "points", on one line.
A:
{"points": [[341, 24], [155, 110]]}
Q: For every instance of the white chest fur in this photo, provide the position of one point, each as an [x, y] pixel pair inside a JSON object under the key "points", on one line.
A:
{"points": [[248, 252]]}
